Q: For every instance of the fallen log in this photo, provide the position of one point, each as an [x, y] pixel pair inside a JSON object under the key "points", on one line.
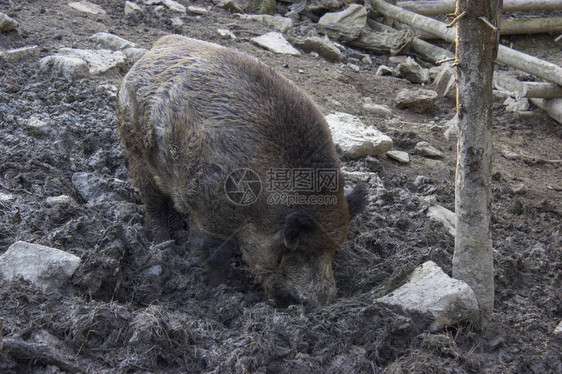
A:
{"points": [[377, 42], [526, 25], [540, 90], [529, 64], [553, 107], [427, 51], [431, 8], [518, 26]]}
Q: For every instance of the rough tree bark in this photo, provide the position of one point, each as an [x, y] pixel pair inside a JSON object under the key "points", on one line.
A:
{"points": [[476, 49]]}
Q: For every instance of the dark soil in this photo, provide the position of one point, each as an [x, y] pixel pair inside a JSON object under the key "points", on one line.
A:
{"points": [[134, 306]]}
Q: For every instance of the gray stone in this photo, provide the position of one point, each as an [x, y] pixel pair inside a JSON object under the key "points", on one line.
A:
{"points": [[323, 47], [516, 105], [197, 10], [427, 150], [112, 41], [45, 267], [430, 291], [94, 189], [226, 33], [17, 54], [7, 23], [412, 71], [66, 66], [354, 15], [132, 8], [452, 126], [417, 100], [174, 5], [445, 83], [509, 154], [176, 22], [134, 54], [275, 42], [40, 124], [445, 216], [99, 60], [384, 70], [4, 197], [400, 156], [282, 24], [231, 5], [355, 139], [558, 330], [61, 201], [88, 9], [376, 109]]}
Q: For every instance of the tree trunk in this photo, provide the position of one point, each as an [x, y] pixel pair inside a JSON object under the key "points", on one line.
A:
{"points": [[477, 46]]}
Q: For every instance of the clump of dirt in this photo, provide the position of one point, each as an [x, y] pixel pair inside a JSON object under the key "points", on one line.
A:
{"points": [[136, 306]]}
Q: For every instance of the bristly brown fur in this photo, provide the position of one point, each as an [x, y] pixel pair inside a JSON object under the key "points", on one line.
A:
{"points": [[189, 114]]}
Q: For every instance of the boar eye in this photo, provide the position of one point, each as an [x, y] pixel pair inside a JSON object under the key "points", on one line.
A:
{"points": [[296, 223]]}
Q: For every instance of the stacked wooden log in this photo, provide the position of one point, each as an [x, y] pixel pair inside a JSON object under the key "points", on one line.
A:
{"points": [[547, 95]]}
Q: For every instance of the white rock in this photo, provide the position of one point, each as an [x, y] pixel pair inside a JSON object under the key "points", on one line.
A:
{"points": [[558, 329], [275, 42], [68, 67], [355, 139], [17, 54], [45, 267], [445, 83], [322, 46], [412, 71], [226, 33], [509, 154], [283, 24], [40, 124], [89, 9], [417, 100], [516, 105], [452, 126], [427, 150], [132, 8], [99, 60], [197, 9], [400, 156], [112, 41], [445, 216], [376, 109], [430, 290], [94, 189], [6, 197], [60, 201], [384, 70], [174, 5], [176, 21], [134, 54], [354, 15], [7, 23]]}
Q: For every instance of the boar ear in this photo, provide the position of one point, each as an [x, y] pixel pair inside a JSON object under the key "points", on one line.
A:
{"points": [[358, 199], [296, 223]]}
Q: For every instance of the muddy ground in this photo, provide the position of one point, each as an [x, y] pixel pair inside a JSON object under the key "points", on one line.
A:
{"points": [[123, 315]]}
